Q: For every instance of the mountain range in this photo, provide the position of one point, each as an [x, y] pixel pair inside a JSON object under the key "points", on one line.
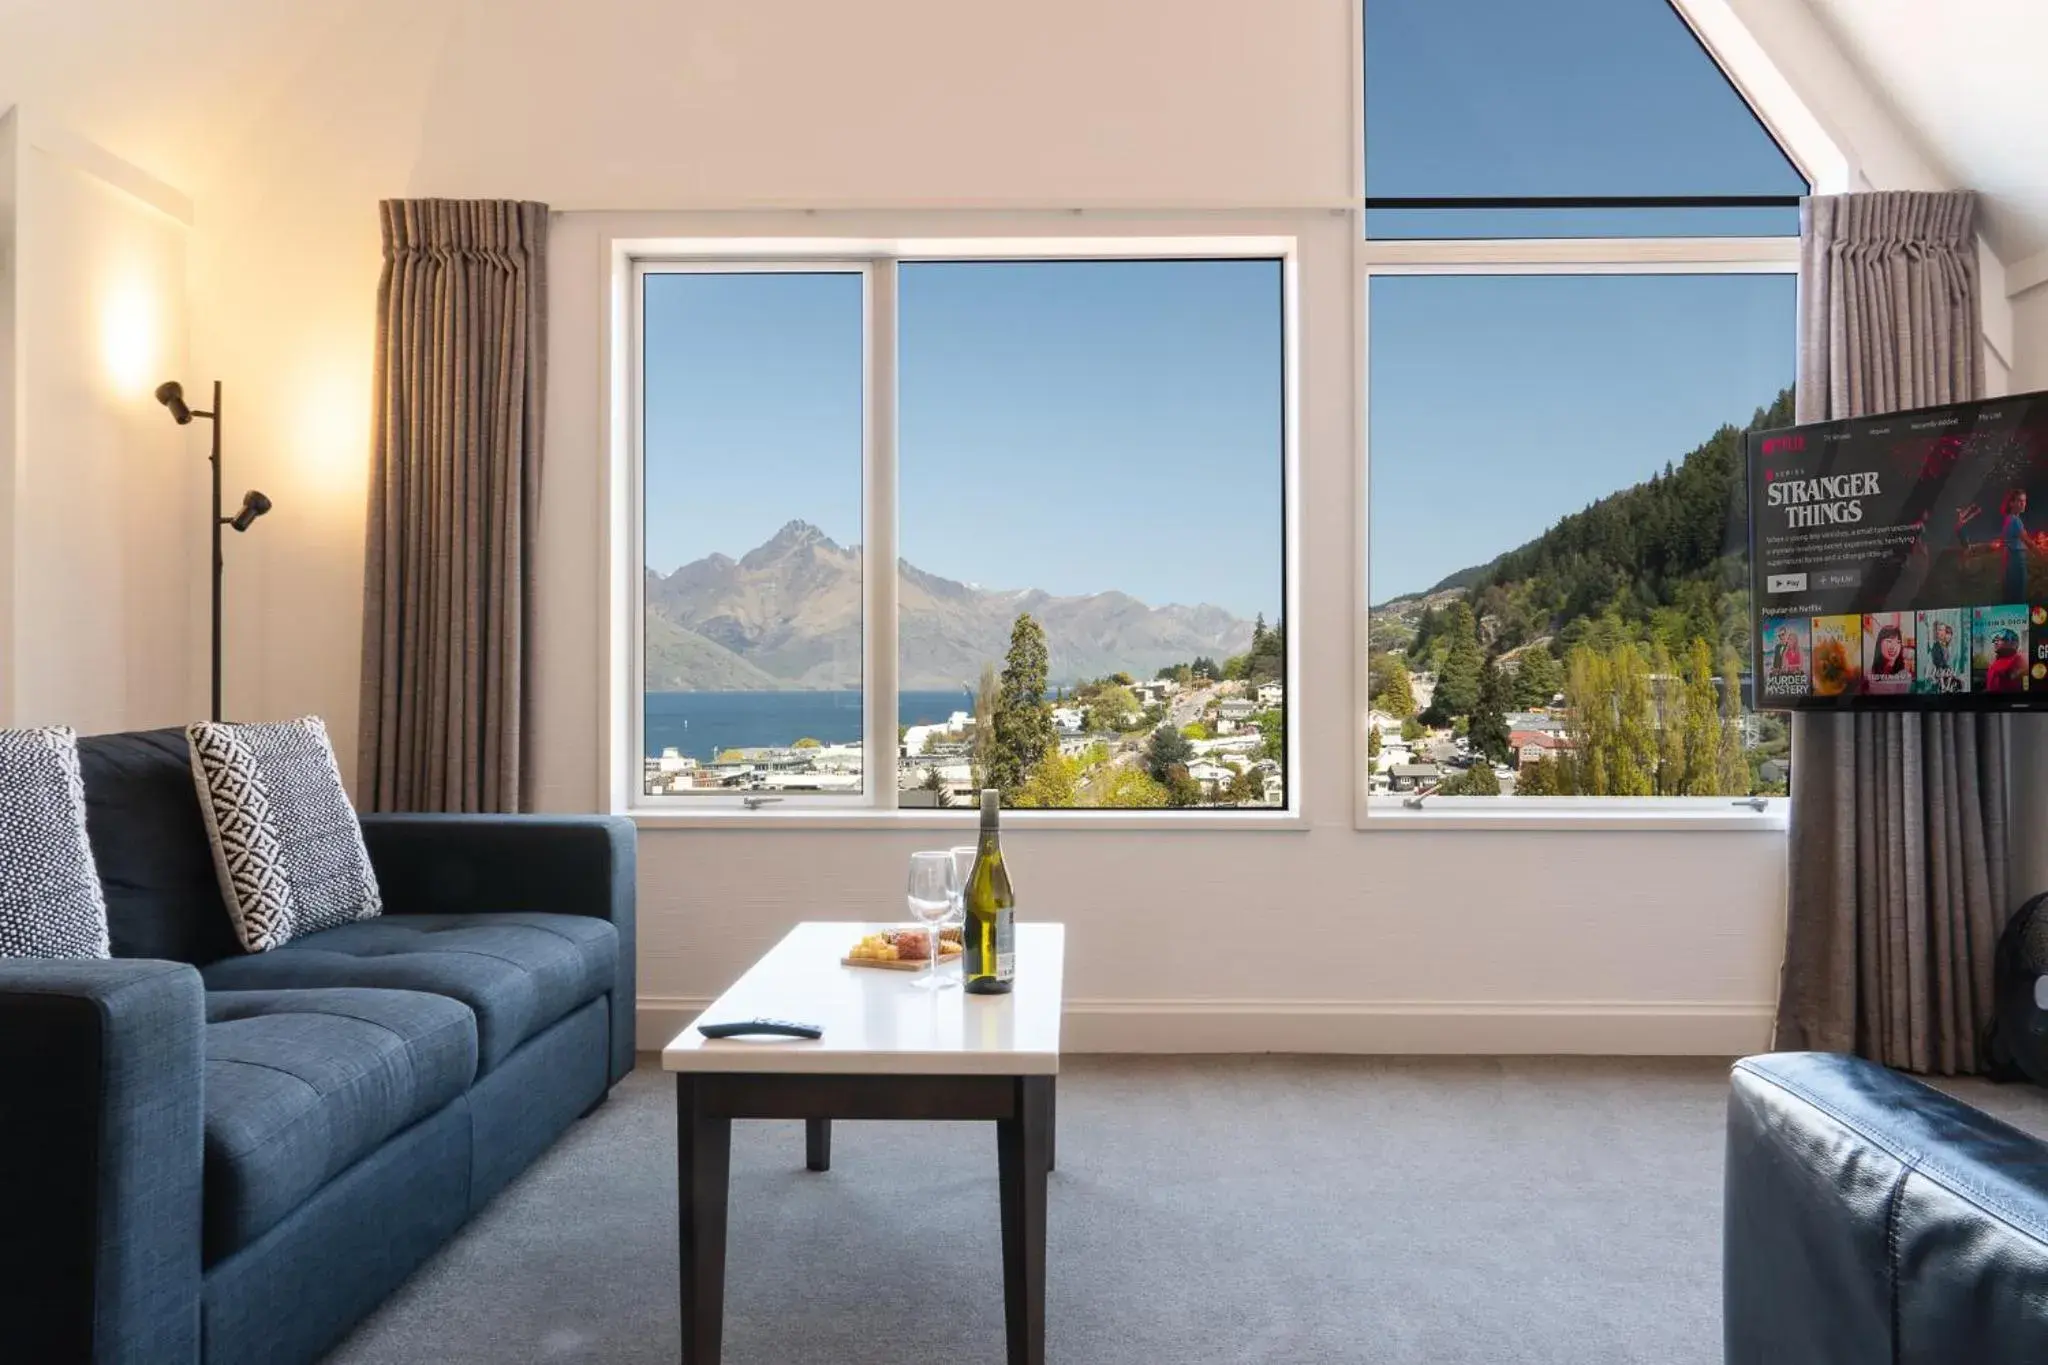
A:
{"points": [[787, 615]]}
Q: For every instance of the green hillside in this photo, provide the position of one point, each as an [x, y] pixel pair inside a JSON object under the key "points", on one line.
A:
{"points": [[1661, 562]]}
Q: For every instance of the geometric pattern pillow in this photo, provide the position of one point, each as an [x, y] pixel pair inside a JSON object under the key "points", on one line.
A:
{"points": [[286, 843], [51, 904]]}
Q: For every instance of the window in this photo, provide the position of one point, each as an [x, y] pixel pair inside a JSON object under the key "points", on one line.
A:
{"points": [[1593, 118], [1556, 564], [1083, 463], [752, 413]]}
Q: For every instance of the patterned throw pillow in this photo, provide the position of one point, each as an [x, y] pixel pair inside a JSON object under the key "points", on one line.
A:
{"points": [[50, 899], [285, 839]]}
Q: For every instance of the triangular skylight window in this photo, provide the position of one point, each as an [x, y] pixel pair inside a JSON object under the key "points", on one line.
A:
{"points": [[1537, 106]]}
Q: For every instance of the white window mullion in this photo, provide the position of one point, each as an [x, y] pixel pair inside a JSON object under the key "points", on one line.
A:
{"points": [[878, 555]]}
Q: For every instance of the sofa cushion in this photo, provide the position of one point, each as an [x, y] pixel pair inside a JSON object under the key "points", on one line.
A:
{"points": [[285, 838], [518, 972], [149, 842], [302, 1084], [50, 899]]}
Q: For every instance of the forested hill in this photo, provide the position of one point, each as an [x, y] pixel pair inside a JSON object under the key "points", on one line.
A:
{"points": [[1662, 560]]}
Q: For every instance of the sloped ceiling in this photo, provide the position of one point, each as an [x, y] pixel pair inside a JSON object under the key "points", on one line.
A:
{"points": [[177, 87], [1971, 76]]}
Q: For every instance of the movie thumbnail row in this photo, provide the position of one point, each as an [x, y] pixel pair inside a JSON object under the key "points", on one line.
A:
{"points": [[1888, 653]]}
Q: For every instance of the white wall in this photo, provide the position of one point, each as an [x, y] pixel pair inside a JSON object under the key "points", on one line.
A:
{"points": [[108, 527], [1402, 940], [2030, 340]]}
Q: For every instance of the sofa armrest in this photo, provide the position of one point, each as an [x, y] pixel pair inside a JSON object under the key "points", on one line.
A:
{"points": [[483, 864], [1870, 1217], [101, 1157]]}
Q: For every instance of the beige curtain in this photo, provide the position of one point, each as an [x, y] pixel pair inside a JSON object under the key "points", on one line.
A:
{"points": [[1898, 849], [455, 481]]}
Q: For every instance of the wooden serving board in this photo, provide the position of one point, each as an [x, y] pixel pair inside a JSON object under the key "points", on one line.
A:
{"points": [[916, 964]]}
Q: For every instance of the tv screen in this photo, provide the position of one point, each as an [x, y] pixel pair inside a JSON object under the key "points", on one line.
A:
{"points": [[1901, 562]]}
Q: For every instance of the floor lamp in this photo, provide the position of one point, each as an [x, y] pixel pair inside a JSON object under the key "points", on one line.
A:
{"points": [[172, 395]]}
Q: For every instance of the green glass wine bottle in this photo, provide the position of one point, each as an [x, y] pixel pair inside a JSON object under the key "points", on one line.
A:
{"points": [[989, 964]]}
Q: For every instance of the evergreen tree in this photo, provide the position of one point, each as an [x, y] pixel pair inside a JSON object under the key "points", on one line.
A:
{"points": [[1169, 749], [1477, 780], [1489, 729], [1372, 742], [1023, 717], [1457, 685], [1538, 678], [1544, 777]]}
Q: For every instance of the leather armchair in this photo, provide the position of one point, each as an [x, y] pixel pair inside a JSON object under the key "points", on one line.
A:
{"points": [[1872, 1220]]}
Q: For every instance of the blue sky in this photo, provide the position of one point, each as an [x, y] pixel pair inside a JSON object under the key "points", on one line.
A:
{"points": [[1076, 426], [1082, 426]]}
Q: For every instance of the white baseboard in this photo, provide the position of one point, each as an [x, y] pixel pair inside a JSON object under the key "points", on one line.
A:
{"points": [[1651, 1028]]}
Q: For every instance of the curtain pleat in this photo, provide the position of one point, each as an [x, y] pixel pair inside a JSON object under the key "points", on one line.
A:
{"points": [[447, 600], [1897, 883]]}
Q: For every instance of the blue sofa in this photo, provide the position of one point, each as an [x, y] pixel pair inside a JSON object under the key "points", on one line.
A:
{"points": [[213, 1156]]}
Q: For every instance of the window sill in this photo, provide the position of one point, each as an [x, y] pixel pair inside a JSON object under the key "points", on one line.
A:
{"points": [[963, 821], [1543, 813]]}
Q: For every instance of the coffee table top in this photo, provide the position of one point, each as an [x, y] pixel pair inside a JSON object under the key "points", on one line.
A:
{"points": [[879, 1022]]}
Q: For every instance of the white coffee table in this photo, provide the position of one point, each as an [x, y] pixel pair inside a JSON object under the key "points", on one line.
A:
{"points": [[890, 1051]]}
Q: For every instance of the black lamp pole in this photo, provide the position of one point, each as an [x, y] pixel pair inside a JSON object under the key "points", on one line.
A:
{"points": [[172, 395], [219, 563]]}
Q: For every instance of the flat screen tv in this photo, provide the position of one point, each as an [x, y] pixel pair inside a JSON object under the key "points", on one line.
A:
{"points": [[1901, 562]]}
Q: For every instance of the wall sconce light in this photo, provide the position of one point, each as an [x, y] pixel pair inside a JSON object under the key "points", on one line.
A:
{"points": [[171, 394]]}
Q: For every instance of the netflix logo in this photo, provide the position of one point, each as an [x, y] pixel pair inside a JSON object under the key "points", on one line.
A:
{"points": [[1774, 445]]}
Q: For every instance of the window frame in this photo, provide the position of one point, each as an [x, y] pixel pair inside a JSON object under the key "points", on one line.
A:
{"points": [[1583, 256], [877, 260]]}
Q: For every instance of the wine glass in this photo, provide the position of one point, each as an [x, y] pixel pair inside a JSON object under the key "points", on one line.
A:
{"points": [[963, 865], [933, 885]]}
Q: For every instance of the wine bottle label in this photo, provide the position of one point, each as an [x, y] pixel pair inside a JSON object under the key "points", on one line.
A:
{"points": [[1006, 945]]}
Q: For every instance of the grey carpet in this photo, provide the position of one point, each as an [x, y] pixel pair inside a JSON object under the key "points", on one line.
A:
{"points": [[1224, 1210]]}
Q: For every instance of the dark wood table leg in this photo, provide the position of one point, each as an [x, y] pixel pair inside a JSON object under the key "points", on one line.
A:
{"points": [[818, 1144], [1052, 1122], [703, 1164], [1023, 1158]]}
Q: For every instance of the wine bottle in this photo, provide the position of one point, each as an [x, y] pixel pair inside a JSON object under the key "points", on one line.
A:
{"points": [[989, 964]]}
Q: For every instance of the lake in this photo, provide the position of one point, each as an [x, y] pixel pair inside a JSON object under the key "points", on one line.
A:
{"points": [[701, 724]]}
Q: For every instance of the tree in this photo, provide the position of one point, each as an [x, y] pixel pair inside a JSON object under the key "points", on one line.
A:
{"points": [[1248, 788], [1124, 787], [1702, 724], [806, 743], [1233, 667], [1266, 660], [730, 756], [1110, 705], [1538, 678], [1478, 780], [1735, 770], [985, 698], [1457, 684], [1181, 789], [1372, 742], [1273, 729], [1610, 722], [1411, 729], [1168, 749], [1672, 707], [1053, 782], [1391, 690], [1195, 729], [1489, 730], [1204, 667], [1544, 777], [1023, 720], [934, 783]]}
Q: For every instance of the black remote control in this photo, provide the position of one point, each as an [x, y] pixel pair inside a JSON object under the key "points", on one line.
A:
{"points": [[778, 1028]]}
